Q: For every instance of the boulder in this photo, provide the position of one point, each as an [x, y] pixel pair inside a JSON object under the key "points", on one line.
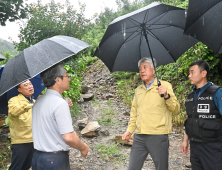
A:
{"points": [[85, 89], [109, 95], [104, 132], [81, 100], [91, 134], [87, 97], [188, 165], [91, 127], [126, 113], [82, 123]]}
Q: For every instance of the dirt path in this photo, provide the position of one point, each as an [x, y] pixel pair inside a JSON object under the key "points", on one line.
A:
{"points": [[104, 153]]}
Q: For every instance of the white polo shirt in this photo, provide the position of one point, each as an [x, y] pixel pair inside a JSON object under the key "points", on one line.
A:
{"points": [[51, 119]]}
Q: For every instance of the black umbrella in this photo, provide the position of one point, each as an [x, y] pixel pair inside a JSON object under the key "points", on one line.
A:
{"points": [[37, 58], [2, 57], [155, 30], [204, 22]]}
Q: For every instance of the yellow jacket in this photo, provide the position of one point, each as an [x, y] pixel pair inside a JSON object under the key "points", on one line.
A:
{"points": [[150, 113], [20, 119]]}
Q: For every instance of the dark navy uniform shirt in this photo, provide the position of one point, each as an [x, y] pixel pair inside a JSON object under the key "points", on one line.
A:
{"points": [[217, 95], [30, 100]]}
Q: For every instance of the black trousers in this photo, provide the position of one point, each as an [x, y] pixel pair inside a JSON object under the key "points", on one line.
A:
{"points": [[21, 156], [206, 156], [50, 160]]}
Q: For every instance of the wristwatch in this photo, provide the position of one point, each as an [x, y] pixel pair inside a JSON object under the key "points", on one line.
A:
{"points": [[167, 97]]}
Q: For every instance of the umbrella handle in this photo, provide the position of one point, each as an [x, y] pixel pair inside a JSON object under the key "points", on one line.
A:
{"points": [[145, 34], [159, 84]]}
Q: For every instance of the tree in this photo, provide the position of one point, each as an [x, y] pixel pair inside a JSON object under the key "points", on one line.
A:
{"points": [[50, 20], [11, 10]]}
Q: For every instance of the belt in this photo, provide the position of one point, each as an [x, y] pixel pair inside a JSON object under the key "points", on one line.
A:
{"points": [[56, 152]]}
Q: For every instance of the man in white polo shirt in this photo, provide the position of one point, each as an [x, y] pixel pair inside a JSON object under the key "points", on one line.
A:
{"points": [[52, 129]]}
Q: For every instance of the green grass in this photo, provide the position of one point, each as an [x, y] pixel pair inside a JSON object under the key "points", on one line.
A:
{"points": [[109, 151], [4, 154], [107, 121], [109, 102], [95, 102], [109, 111], [101, 87]]}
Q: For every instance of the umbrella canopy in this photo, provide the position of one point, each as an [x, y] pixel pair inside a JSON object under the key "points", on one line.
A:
{"points": [[37, 58], [153, 31], [204, 22], [2, 57], [38, 88]]}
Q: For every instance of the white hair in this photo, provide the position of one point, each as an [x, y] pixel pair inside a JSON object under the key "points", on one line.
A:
{"points": [[148, 60]]}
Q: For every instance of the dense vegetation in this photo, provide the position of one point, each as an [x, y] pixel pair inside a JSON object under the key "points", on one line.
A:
{"points": [[52, 19], [11, 10]]}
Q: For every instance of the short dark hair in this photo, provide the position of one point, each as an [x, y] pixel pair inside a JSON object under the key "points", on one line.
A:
{"points": [[48, 76], [18, 86], [203, 65]]}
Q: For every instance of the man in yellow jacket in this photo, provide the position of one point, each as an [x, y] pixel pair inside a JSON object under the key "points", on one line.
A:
{"points": [[20, 125], [151, 117]]}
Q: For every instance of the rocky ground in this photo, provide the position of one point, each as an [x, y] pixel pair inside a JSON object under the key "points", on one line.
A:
{"points": [[113, 116]]}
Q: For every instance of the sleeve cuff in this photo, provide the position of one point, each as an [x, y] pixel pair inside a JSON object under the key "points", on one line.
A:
{"points": [[131, 130]]}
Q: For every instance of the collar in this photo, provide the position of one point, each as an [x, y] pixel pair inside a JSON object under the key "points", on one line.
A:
{"points": [[203, 87], [30, 100], [149, 83], [53, 92]]}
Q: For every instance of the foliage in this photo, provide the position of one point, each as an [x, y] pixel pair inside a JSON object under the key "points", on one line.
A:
{"points": [[127, 82], [4, 155], [109, 102], [111, 151], [74, 90], [50, 20], [177, 3], [75, 109], [105, 121], [6, 121], [7, 55], [74, 87], [110, 112], [107, 116], [11, 10], [124, 7]]}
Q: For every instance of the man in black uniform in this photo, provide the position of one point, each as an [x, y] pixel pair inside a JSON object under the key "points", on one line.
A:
{"points": [[203, 126]]}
